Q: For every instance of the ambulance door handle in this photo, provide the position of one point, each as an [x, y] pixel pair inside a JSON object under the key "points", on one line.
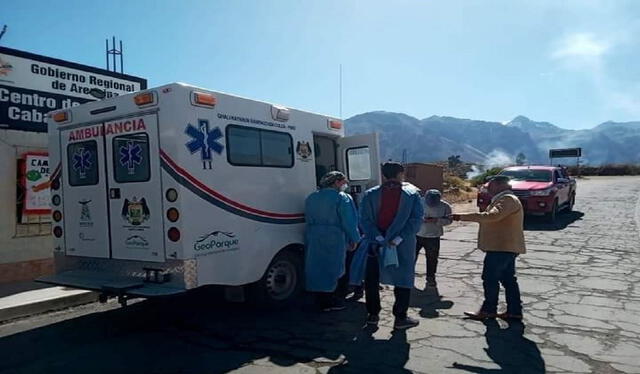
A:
{"points": [[114, 193]]}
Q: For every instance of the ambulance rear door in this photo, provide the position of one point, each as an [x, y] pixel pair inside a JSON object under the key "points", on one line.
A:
{"points": [[134, 188], [359, 159], [84, 187]]}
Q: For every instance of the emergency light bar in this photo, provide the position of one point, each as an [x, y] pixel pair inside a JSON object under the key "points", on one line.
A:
{"points": [[203, 99], [61, 117], [144, 99], [335, 125], [279, 113]]}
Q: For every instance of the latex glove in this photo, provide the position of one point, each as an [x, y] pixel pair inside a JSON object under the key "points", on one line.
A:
{"points": [[396, 242]]}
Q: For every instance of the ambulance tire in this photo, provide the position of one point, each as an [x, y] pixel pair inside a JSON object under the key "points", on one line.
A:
{"points": [[281, 283]]}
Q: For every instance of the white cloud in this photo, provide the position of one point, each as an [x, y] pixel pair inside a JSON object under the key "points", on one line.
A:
{"points": [[589, 54], [581, 46]]}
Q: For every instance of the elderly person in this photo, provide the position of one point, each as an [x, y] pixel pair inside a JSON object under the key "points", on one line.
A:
{"points": [[332, 229], [437, 214], [501, 237], [391, 215]]}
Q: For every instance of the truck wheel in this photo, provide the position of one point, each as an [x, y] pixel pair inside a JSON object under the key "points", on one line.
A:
{"points": [[553, 215], [572, 202], [281, 282]]}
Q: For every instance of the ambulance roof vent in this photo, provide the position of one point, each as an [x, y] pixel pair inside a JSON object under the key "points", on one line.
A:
{"points": [[279, 113]]}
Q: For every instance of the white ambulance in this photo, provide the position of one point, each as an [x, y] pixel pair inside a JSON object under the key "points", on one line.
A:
{"points": [[164, 190]]}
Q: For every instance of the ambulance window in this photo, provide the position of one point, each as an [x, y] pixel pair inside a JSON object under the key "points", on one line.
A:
{"points": [[277, 149], [359, 164], [243, 145], [255, 147], [82, 162], [131, 158]]}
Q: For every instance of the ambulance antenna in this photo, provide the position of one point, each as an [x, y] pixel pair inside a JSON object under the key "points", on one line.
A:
{"points": [[341, 92]]}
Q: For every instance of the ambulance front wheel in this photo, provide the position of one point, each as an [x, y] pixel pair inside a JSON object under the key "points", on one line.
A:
{"points": [[282, 281]]}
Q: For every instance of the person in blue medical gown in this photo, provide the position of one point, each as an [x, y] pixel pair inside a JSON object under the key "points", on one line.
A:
{"points": [[332, 230], [391, 215]]}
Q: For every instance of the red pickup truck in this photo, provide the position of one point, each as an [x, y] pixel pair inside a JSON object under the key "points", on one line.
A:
{"points": [[543, 190]]}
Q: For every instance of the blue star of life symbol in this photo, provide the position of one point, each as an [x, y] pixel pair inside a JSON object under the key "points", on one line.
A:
{"points": [[81, 161], [204, 140], [130, 156]]}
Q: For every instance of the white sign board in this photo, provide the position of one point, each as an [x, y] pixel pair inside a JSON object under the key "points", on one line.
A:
{"points": [[33, 85]]}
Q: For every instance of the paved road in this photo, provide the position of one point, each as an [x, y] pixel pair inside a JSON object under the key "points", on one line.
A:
{"points": [[580, 283]]}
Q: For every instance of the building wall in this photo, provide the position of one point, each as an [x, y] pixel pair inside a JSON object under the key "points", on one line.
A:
{"points": [[425, 176], [25, 249]]}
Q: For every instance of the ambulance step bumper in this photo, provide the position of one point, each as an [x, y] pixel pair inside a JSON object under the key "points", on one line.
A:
{"points": [[107, 283]]}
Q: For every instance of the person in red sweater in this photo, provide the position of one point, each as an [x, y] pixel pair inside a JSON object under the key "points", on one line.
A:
{"points": [[391, 215]]}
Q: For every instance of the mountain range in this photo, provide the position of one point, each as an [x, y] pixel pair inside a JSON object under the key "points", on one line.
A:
{"points": [[493, 143]]}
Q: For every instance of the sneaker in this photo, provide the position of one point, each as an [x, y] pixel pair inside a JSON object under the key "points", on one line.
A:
{"points": [[373, 319], [480, 315], [337, 306], [510, 316], [405, 323], [357, 295], [431, 281]]}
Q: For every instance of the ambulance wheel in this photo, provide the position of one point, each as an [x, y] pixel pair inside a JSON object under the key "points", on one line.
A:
{"points": [[281, 282]]}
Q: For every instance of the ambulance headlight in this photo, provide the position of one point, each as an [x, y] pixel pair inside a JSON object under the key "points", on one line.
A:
{"points": [[172, 195], [57, 231], [55, 200]]}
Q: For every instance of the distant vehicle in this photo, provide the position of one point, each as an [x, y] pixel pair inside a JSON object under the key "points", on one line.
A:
{"points": [[176, 187], [543, 190]]}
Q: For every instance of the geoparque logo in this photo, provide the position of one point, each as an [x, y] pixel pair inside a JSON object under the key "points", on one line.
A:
{"points": [[136, 241], [217, 241]]}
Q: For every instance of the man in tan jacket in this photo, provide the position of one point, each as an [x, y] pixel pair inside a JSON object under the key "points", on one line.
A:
{"points": [[501, 237]]}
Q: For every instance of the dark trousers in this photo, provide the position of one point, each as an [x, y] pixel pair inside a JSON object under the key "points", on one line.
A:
{"points": [[372, 292], [500, 267], [431, 250], [327, 299]]}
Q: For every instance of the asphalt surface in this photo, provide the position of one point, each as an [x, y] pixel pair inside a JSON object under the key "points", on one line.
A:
{"points": [[579, 279]]}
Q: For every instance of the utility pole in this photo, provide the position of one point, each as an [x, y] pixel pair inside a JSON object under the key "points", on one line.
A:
{"points": [[4, 30]]}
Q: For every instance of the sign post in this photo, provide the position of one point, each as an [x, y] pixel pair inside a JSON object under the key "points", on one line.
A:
{"points": [[566, 153]]}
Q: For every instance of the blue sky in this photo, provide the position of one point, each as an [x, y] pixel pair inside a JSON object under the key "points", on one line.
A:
{"points": [[572, 63]]}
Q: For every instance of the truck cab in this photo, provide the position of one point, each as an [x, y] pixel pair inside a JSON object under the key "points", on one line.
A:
{"points": [[542, 190]]}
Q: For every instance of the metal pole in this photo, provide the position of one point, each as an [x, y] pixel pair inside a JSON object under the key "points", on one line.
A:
{"points": [[4, 29], [115, 68], [121, 59], [107, 51], [578, 166]]}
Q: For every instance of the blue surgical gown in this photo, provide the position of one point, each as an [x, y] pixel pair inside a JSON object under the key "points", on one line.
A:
{"points": [[332, 225], [406, 225]]}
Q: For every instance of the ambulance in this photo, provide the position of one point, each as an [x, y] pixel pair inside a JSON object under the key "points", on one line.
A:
{"points": [[164, 190]]}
